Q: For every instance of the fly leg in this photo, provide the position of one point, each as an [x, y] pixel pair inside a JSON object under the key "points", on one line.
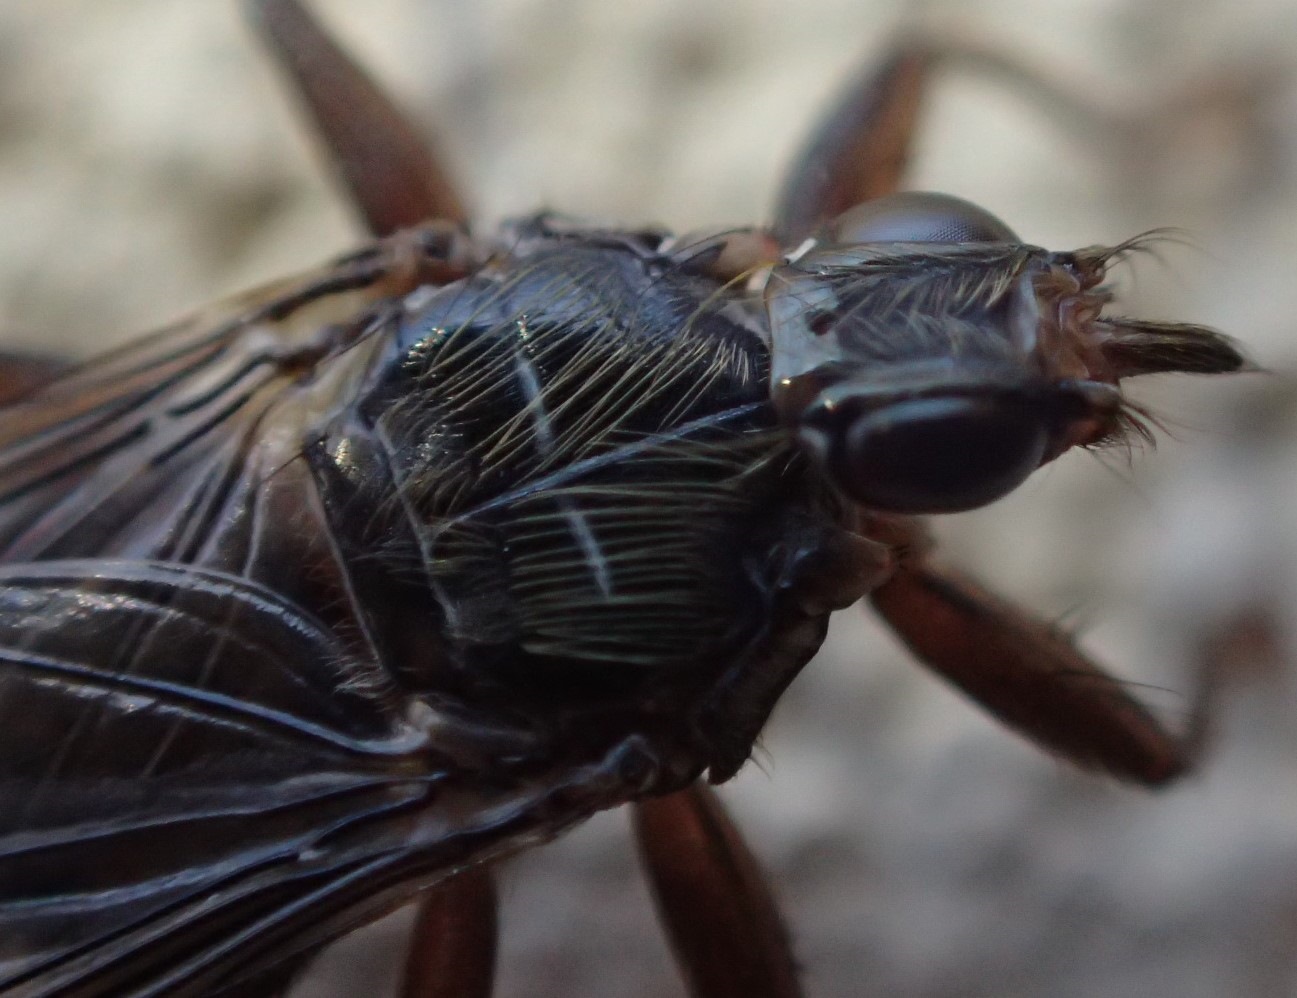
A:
{"points": [[392, 176], [452, 951], [1031, 677], [859, 150], [711, 895], [712, 898]]}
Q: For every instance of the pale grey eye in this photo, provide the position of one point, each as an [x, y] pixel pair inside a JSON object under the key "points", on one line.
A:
{"points": [[919, 217]]}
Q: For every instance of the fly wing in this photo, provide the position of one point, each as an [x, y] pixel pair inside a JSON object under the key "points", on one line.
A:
{"points": [[198, 782], [188, 446], [182, 755], [147, 452]]}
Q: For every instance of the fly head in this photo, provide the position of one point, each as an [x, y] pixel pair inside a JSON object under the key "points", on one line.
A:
{"points": [[929, 361]]}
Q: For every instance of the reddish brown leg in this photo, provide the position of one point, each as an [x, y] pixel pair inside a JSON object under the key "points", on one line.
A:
{"points": [[711, 895], [392, 177], [859, 150], [452, 948], [1030, 676], [1222, 99]]}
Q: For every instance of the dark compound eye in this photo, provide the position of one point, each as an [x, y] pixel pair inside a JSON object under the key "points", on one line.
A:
{"points": [[940, 455], [919, 217]]}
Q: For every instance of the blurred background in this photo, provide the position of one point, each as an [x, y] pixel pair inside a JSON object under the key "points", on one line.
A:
{"points": [[148, 163]]}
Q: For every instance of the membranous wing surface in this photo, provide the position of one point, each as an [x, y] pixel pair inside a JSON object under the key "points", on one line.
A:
{"points": [[312, 600]]}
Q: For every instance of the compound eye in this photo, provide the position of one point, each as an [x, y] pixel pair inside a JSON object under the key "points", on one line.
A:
{"points": [[919, 217], [940, 455]]}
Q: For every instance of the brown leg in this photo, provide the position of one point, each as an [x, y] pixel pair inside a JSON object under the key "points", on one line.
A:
{"points": [[390, 174], [710, 893], [452, 948], [860, 149], [1030, 676], [1225, 99]]}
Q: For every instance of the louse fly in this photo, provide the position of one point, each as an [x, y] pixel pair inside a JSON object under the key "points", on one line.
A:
{"points": [[340, 591]]}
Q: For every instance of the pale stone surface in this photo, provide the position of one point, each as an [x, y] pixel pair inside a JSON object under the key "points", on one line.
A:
{"points": [[147, 164]]}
